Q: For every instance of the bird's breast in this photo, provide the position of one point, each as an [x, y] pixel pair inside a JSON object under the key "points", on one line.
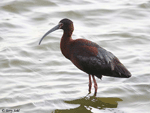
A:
{"points": [[65, 46]]}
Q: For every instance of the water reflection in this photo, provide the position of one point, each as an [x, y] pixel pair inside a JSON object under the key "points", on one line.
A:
{"points": [[89, 102]]}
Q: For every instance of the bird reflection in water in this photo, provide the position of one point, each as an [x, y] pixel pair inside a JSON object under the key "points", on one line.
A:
{"points": [[88, 103]]}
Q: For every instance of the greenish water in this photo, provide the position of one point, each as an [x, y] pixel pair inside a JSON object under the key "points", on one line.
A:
{"points": [[39, 79]]}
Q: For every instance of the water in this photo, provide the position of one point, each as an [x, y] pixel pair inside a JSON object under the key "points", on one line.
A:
{"points": [[39, 79]]}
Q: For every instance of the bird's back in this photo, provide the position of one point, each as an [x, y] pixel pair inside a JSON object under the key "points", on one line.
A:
{"points": [[94, 60]]}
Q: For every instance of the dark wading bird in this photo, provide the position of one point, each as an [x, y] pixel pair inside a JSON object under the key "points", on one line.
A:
{"points": [[88, 56]]}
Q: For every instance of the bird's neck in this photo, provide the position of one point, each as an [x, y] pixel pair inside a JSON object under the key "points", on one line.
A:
{"points": [[65, 43]]}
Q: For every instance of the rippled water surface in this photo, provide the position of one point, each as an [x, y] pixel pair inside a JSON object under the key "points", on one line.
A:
{"points": [[39, 79]]}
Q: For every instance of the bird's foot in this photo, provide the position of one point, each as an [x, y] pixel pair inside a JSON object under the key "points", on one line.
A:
{"points": [[87, 95], [89, 92], [89, 89], [95, 94]]}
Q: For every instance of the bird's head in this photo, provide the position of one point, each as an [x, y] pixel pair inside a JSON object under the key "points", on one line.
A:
{"points": [[65, 24]]}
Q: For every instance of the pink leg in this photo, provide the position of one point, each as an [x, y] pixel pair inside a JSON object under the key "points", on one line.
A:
{"points": [[95, 85], [90, 83]]}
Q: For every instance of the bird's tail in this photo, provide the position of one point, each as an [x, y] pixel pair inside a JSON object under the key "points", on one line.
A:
{"points": [[120, 70]]}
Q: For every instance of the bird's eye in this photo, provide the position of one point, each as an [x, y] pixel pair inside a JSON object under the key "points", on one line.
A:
{"points": [[60, 25]]}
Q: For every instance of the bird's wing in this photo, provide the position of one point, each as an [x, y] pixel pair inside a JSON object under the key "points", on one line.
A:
{"points": [[117, 69], [93, 59]]}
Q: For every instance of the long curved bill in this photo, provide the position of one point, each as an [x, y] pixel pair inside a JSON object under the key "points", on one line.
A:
{"points": [[51, 30]]}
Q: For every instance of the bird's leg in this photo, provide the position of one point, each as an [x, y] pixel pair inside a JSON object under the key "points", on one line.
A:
{"points": [[90, 83], [95, 85]]}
